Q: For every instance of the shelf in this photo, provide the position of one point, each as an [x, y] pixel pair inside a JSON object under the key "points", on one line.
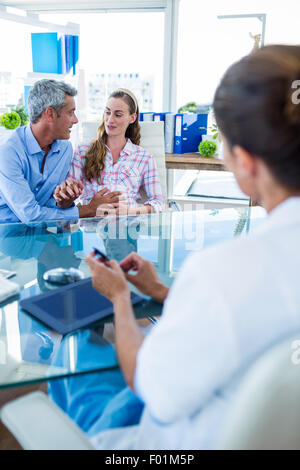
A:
{"points": [[193, 161]]}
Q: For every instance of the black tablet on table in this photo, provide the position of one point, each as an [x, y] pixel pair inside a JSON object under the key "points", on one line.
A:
{"points": [[71, 307]]}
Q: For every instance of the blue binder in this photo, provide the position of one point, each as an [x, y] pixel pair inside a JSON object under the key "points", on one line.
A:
{"points": [[45, 53], [189, 128], [159, 116], [69, 52], [148, 116], [75, 53]]}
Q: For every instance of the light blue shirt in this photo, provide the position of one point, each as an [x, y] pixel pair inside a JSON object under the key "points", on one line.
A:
{"points": [[26, 192]]}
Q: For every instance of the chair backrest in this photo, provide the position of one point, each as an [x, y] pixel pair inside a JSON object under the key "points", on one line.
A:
{"points": [[266, 413], [152, 139]]}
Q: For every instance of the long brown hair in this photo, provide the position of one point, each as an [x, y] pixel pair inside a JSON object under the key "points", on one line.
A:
{"points": [[255, 109], [95, 157]]}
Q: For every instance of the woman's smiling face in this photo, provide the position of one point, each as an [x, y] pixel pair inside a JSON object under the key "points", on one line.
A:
{"points": [[117, 117]]}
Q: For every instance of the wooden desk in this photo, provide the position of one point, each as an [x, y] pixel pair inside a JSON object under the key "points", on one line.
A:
{"points": [[193, 161]]}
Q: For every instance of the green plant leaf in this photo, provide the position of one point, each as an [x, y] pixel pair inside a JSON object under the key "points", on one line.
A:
{"points": [[10, 120], [207, 148], [23, 115]]}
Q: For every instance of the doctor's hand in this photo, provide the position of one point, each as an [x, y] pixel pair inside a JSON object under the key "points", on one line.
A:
{"points": [[67, 192], [108, 278], [146, 278]]}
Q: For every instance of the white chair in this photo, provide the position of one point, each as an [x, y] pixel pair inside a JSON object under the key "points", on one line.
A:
{"points": [[266, 413], [38, 424], [153, 140]]}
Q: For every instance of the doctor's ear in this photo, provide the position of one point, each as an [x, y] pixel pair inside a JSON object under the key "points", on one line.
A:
{"points": [[245, 162]]}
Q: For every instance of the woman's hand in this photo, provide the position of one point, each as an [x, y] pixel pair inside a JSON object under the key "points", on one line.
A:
{"points": [[121, 208], [146, 278], [67, 192], [104, 198], [108, 279]]}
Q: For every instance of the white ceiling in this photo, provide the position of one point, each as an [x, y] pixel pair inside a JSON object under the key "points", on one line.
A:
{"points": [[57, 5]]}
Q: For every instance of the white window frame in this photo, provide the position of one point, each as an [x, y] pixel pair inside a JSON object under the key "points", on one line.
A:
{"points": [[169, 7]]}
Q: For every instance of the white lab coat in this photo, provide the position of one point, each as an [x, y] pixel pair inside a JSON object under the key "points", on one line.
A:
{"points": [[228, 304]]}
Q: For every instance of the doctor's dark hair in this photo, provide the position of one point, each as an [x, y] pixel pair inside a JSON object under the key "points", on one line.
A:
{"points": [[257, 106], [48, 93]]}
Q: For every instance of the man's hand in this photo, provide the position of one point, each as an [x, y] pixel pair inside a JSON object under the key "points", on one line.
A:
{"points": [[67, 192], [146, 278]]}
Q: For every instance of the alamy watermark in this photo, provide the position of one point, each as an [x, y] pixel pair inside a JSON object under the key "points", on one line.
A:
{"points": [[186, 226], [295, 356], [296, 94]]}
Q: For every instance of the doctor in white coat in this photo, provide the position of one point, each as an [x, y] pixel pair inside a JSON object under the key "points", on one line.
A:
{"points": [[231, 302]]}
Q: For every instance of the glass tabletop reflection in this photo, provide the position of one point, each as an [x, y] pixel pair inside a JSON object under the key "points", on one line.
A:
{"points": [[30, 351]]}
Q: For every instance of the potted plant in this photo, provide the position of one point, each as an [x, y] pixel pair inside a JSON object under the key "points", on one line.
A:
{"points": [[23, 115], [190, 107], [9, 122], [207, 148], [213, 135]]}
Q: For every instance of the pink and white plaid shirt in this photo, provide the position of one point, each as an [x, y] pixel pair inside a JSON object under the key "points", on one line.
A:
{"points": [[135, 168]]}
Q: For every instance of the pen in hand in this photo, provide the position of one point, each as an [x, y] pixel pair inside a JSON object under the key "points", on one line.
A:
{"points": [[105, 258], [101, 254]]}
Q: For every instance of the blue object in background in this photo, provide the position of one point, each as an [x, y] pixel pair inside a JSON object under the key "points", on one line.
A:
{"points": [[189, 128], [69, 52], [75, 53], [26, 93], [148, 116], [159, 116], [47, 56], [46, 53]]}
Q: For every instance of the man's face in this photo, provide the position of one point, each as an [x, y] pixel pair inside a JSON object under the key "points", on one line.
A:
{"points": [[67, 118]]}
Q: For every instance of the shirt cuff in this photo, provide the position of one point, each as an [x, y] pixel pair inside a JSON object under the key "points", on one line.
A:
{"points": [[157, 207], [71, 213]]}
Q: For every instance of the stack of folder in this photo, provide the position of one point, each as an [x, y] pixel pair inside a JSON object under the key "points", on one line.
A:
{"points": [[183, 131], [54, 53]]}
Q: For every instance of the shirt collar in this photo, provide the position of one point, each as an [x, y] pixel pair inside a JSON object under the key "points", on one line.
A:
{"points": [[33, 145], [286, 213], [128, 149]]}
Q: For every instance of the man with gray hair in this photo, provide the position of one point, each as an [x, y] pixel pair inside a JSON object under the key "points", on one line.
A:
{"points": [[36, 158]]}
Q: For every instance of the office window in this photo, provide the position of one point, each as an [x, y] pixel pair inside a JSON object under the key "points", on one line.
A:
{"points": [[119, 50], [15, 61], [208, 45], [116, 50]]}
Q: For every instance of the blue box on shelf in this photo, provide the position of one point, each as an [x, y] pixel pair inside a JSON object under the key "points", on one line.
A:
{"points": [[189, 128]]}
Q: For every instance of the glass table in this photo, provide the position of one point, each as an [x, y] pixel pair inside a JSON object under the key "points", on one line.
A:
{"points": [[30, 352]]}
